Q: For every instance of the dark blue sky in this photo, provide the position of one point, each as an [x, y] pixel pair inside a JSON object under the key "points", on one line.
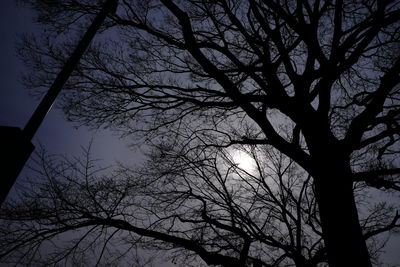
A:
{"points": [[16, 106], [55, 134]]}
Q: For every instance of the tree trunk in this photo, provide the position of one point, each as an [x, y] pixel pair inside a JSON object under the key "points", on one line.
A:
{"points": [[339, 218]]}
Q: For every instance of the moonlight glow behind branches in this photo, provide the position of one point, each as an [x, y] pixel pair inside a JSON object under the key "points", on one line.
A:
{"points": [[243, 160]]}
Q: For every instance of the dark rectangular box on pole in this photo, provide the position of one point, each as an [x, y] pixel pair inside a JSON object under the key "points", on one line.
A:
{"points": [[15, 149]]}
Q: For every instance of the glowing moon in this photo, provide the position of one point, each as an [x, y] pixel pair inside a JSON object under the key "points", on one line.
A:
{"points": [[243, 160]]}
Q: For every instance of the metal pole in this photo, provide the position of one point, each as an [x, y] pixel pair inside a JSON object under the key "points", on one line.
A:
{"points": [[16, 146], [48, 100]]}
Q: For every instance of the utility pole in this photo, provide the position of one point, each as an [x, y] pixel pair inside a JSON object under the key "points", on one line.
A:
{"points": [[16, 146]]}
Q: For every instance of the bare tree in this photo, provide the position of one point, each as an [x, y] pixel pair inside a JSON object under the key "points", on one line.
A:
{"points": [[316, 80], [204, 206], [192, 206]]}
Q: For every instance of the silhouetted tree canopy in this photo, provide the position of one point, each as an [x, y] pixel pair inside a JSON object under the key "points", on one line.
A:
{"points": [[308, 87], [194, 204]]}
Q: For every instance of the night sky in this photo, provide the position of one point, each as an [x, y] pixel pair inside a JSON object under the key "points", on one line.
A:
{"points": [[16, 104], [55, 134]]}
